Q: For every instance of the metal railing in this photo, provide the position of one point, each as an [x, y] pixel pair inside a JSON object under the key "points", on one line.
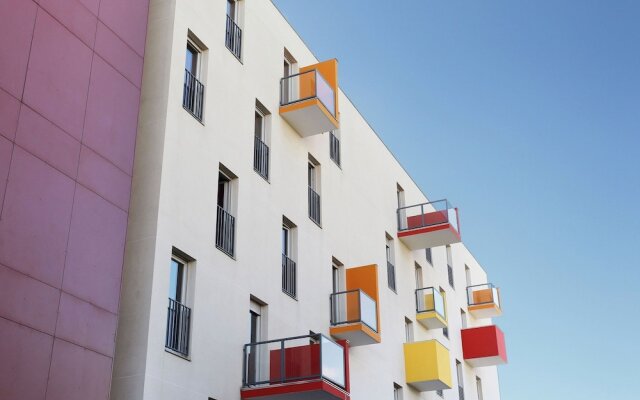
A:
{"points": [[178, 327], [391, 276], [293, 360], [307, 85], [486, 293], [314, 206], [429, 299], [261, 158], [233, 37], [460, 393], [353, 306], [289, 276], [334, 148], [427, 214], [193, 95], [225, 231]]}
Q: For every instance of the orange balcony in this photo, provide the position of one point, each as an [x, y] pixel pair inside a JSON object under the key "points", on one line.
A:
{"points": [[309, 100], [430, 308], [484, 301], [297, 368], [428, 225], [354, 313]]}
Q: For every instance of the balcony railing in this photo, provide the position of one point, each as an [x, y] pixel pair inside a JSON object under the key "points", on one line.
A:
{"points": [[294, 360], [225, 231], [391, 276], [354, 306], [261, 158], [334, 148], [233, 38], [483, 294], [193, 95], [428, 300], [314, 206], [427, 214], [178, 327], [307, 85], [289, 278]]}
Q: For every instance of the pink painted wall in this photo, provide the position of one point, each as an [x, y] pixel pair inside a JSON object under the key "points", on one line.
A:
{"points": [[70, 75]]}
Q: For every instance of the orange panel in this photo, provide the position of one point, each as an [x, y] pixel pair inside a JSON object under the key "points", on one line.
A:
{"points": [[329, 71], [483, 296], [364, 278]]}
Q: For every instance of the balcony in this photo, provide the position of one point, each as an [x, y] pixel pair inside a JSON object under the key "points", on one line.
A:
{"points": [[261, 158], [308, 100], [225, 232], [354, 312], [427, 365], [484, 346], [298, 368], [484, 301], [314, 205], [428, 225], [233, 37], [178, 327], [430, 308], [193, 95]]}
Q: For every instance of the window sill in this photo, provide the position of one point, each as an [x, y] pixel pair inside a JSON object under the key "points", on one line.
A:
{"points": [[175, 353]]}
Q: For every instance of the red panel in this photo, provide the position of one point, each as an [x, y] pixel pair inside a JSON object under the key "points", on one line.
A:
{"points": [[306, 387], [300, 362], [432, 218], [486, 341]]}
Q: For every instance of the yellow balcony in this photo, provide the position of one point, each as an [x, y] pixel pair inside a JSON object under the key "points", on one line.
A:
{"points": [[309, 100], [430, 308], [354, 312], [427, 365], [484, 301]]}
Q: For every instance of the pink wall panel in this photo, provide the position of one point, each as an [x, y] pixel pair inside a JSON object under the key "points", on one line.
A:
{"points": [[70, 75]]}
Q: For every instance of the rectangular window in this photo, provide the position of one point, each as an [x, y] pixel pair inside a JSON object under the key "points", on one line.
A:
{"points": [[467, 275], [463, 319], [419, 280], [178, 314], [445, 330], [450, 267], [262, 119], [193, 90], [460, 380], [226, 205], [440, 393], [408, 330], [288, 89], [391, 269], [429, 256], [289, 272], [313, 176], [402, 212], [334, 146], [233, 36], [255, 354], [397, 392], [479, 388]]}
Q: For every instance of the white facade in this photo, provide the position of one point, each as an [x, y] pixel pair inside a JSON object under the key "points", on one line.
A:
{"points": [[173, 205]]}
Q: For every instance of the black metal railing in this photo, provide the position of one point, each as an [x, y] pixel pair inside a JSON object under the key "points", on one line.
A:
{"points": [[485, 293], [391, 276], [429, 299], [178, 327], [233, 38], [289, 278], [314, 206], [193, 95], [427, 214], [353, 306], [334, 148], [261, 158], [450, 275], [225, 231], [460, 393], [307, 85], [294, 360]]}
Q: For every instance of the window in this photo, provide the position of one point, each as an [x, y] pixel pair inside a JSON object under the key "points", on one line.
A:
{"points": [[460, 380], [288, 88], [233, 37], [289, 273], [467, 275], [178, 314], [257, 317], [450, 267], [463, 319], [313, 176], [445, 330], [440, 393], [429, 256], [397, 392], [334, 146], [193, 90], [419, 280], [479, 388], [262, 118], [226, 201], [337, 275], [391, 269], [408, 330], [402, 213]]}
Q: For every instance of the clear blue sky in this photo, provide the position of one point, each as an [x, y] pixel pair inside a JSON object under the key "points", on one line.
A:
{"points": [[526, 115]]}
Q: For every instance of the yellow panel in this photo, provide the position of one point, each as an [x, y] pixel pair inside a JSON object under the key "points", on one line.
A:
{"points": [[427, 363], [429, 301]]}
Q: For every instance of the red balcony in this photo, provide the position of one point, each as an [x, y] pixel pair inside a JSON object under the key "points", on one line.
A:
{"points": [[298, 368], [428, 225], [484, 346]]}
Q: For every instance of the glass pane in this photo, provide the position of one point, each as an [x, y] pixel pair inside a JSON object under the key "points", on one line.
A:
{"points": [[258, 125], [325, 94], [191, 61], [175, 281], [439, 303], [332, 361], [368, 313]]}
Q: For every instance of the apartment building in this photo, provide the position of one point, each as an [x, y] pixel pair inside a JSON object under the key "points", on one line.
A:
{"points": [[276, 249]]}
